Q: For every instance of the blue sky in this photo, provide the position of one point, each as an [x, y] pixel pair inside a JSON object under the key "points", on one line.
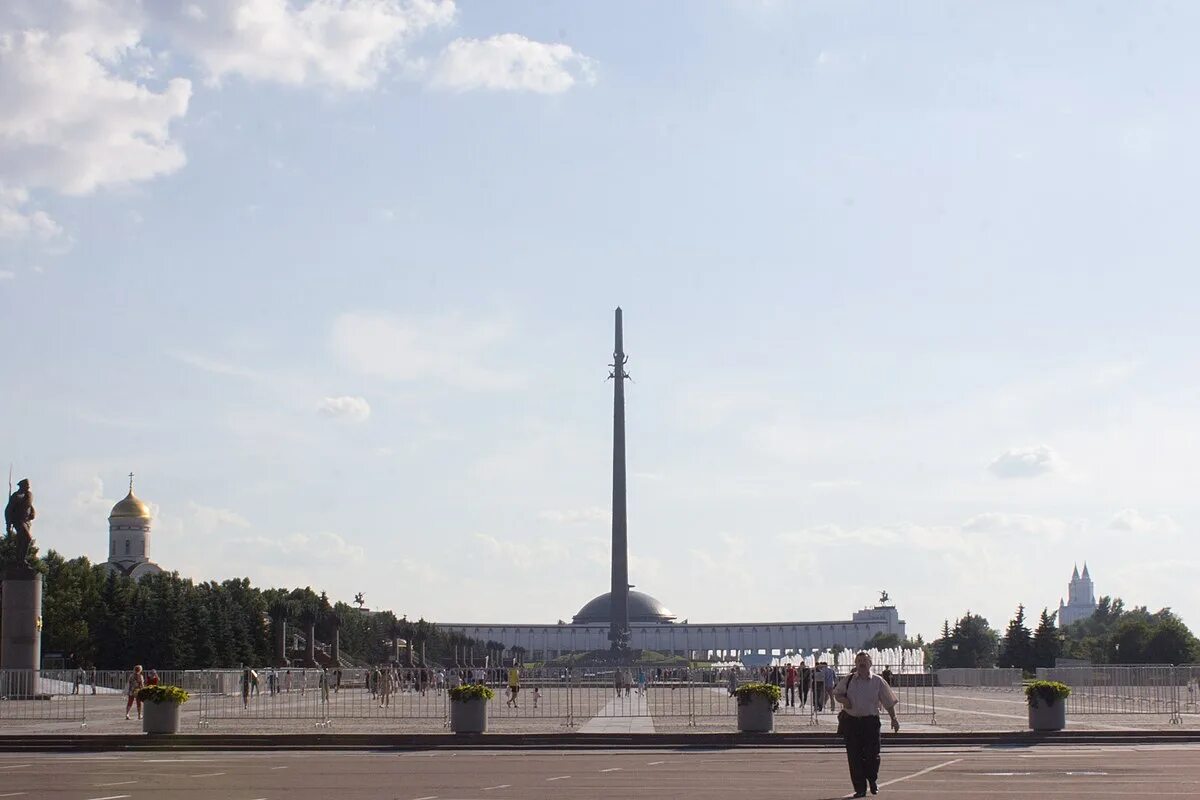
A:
{"points": [[909, 297]]}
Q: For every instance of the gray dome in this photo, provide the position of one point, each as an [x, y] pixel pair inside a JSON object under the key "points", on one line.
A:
{"points": [[642, 608]]}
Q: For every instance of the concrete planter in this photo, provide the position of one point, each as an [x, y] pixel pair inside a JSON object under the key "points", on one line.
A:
{"points": [[1047, 717], [160, 717], [468, 716], [755, 716]]}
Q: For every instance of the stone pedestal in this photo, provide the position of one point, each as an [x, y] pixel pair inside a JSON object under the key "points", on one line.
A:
{"points": [[21, 639]]}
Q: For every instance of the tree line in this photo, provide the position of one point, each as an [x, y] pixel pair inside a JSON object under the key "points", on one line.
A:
{"points": [[97, 618], [1111, 635]]}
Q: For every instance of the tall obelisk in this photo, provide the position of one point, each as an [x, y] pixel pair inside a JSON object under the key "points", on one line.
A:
{"points": [[618, 631]]}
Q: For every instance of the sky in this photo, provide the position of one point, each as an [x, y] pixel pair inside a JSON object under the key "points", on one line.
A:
{"points": [[909, 297]]}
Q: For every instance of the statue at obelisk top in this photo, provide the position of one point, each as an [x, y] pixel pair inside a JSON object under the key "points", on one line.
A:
{"points": [[618, 631]]}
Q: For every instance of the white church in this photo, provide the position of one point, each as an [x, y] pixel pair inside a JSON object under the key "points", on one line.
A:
{"points": [[129, 538], [1081, 598]]}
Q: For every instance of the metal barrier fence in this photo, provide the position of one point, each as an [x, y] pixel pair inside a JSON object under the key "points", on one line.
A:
{"points": [[1121, 689], [318, 696], [47, 695], [569, 697], [1001, 679], [1188, 678]]}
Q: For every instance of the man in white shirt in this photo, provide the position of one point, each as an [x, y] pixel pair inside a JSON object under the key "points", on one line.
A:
{"points": [[862, 694]]}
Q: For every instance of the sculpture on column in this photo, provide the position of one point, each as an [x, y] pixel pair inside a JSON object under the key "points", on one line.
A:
{"points": [[18, 519]]}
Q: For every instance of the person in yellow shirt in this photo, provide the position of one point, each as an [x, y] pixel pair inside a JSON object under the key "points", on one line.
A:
{"points": [[514, 685]]}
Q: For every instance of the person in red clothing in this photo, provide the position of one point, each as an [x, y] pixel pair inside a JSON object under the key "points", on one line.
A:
{"points": [[790, 682], [136, 681], [152, 678]]}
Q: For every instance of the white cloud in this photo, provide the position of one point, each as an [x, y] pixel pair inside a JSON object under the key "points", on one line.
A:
{"points": [[1008, 525], [214, 366], [344, 44], [1132, 521], [538, 554], [91, 502], [1025, 462], [73, 123], [448, 349], [834, 485], [730, 566], [349, 409], [85, 107], [7, 274], [16, 222], [510, 62], [210, 519], [576, 515], [76, 115], [302, 549]]}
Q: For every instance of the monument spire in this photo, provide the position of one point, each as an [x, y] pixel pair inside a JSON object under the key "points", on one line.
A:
{"points": [[618, 631]]}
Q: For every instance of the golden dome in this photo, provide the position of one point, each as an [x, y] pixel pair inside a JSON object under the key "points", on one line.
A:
{"points": [[130, 507]]}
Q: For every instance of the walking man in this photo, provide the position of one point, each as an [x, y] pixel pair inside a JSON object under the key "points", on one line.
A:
{"points": [[791, 685], [862, 694]]}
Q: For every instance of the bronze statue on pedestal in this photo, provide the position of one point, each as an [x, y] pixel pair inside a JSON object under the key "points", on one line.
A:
{"points": [[18, 519]]}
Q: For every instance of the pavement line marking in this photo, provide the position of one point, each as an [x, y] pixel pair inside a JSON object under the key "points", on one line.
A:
{"points": [[207, 775], [501, 786], [16, 766], [278, 767], [116, 783], [558, 778], [922, 772], [611, 769], [12, 794], [111, 797], [655, 763], [1002, 774], [430, 797]]}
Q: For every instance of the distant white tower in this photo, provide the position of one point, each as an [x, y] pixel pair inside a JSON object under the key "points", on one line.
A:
{"points": [[129, 537], [1081, 598]]}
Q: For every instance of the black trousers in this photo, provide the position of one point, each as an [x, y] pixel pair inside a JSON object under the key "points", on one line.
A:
{"points": [[791, 695], [862, 750]]}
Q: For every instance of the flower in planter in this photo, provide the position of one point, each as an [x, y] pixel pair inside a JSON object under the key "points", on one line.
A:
{"points": [[1048, 692], [470, 691], [162, 694], [747, 691]]}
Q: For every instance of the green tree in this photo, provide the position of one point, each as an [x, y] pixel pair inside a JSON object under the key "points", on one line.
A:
{"points": [[883, 641], [970, 643], [1016, 649], [65, 607], [1171, 642], [1047, 644]]}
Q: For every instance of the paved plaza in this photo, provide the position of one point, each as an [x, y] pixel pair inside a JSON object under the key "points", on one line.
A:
{"points": [[977, 773]]}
